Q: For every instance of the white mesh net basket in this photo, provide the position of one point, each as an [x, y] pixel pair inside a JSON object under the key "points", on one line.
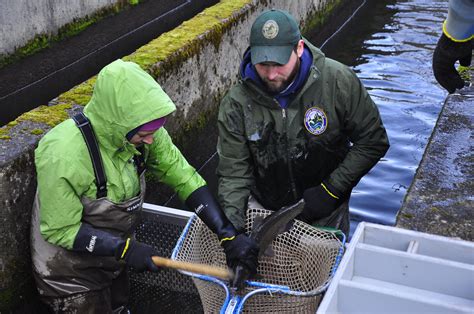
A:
{"points": [[304, 260]]}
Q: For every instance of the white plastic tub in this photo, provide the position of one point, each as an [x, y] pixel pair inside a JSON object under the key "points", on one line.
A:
{"points": [[393, 270]]}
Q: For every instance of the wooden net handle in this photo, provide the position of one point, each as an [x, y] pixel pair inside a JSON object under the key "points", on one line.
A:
{"points": [[202, 269]]}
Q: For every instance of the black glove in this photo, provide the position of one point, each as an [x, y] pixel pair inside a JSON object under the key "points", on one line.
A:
{"points": [[446, 53], [202, 202], [237, 247], [320, 202], [137, 255], [241, 250], [101, 243]]}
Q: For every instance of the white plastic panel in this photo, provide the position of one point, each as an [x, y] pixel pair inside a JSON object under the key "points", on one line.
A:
{"points": [[369, 298], [392, 270], [428, 244]]}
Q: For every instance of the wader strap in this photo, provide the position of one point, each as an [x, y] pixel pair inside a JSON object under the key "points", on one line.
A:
{"points": [[140, 161], [88, 133]]}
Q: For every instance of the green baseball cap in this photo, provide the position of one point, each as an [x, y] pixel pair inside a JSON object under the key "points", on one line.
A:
{"points": [[273, 36]]}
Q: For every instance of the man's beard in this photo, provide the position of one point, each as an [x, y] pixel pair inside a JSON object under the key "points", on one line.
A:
{"points": [[275, 89]]}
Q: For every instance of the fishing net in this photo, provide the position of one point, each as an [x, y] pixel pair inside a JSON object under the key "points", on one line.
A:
{"points": [[167, 290], [303, 259]]}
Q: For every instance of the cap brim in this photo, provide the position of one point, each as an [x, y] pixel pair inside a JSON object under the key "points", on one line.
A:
{"points": [[278, 54]]}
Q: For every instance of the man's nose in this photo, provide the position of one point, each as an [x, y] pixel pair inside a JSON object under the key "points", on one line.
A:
{"points": [[272, 72]]}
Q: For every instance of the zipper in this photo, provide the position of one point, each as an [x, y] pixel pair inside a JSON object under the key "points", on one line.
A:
{"points": [[131, 172], [290, 167]]}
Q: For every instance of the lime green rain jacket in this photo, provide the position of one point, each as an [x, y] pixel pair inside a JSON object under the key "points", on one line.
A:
{"points": [[124, 98]]}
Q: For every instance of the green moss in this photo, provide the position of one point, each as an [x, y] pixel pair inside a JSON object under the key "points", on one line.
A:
{"points": [[186, 40], [171, 49], [408, 216], [320, 17], [34, 45], [42, 41], [36, 131], [50, 115], [194, 126], [6, 297], [80, 94]]}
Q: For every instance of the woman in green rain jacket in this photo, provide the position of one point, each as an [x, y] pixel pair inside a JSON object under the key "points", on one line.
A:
{"points": [[81, 230]]}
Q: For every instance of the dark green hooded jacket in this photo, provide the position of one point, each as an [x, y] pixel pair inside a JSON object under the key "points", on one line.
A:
{"points": [[331, 130], [124, 98]]}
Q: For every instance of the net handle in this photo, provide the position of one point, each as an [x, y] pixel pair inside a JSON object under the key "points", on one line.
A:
{"points": [[203, 269]]}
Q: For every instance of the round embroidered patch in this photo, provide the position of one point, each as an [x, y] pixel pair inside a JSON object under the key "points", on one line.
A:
{"points": [[315, 121], [270, 29]]}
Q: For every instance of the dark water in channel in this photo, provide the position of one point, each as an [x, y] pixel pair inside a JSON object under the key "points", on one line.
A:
{"points": [[390, 44]]}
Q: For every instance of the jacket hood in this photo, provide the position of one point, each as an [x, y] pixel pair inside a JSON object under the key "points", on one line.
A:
{"points": [[124, 97]]}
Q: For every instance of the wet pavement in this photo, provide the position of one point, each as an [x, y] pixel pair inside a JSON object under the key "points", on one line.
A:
{"points": [[440, 200]]}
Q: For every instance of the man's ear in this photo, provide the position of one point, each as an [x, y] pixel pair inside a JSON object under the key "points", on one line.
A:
{"points": [[300, 48]]}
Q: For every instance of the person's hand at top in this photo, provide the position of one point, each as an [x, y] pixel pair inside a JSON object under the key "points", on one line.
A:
{"points": [[455, 44], [446, 53]]}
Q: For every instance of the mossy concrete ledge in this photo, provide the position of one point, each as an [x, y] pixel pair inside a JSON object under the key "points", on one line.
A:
{"points": [[195, 64], [440, 199], [30, 26]]}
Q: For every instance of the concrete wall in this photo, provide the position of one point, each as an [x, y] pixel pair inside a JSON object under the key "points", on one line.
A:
{"points": [[440, 199], [21, 21], [201, 80], [194, 78]]}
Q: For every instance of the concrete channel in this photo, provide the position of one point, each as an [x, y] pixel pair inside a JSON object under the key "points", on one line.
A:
{"points": [[71, 61], [195, 75], [194, 63]]}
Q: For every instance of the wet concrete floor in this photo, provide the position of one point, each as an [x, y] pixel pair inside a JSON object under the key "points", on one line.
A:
{"points": [[441, 199]]}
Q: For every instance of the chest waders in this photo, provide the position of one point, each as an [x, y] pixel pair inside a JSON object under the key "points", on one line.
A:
{"points": [[61, 272]]}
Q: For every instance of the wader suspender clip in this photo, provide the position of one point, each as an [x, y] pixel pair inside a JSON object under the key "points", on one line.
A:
{"points": [[88, 133], [140, 161]]}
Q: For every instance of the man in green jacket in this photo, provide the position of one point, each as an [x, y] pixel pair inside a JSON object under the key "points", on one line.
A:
{"points": [[297, 125], [91, 188]]}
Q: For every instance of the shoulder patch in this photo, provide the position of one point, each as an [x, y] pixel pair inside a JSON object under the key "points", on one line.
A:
{"points": [[315, 121]]}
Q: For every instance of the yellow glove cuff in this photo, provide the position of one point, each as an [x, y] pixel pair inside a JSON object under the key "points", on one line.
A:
{"points": [[445, 31], [125, 248], [329, 192], [227, 239]]}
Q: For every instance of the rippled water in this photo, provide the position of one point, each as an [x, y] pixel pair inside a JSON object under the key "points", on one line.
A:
{"points": [[390, 46]]}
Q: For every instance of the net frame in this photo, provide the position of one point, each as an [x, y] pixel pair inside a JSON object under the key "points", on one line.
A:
{"points": [[304, 261]]}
